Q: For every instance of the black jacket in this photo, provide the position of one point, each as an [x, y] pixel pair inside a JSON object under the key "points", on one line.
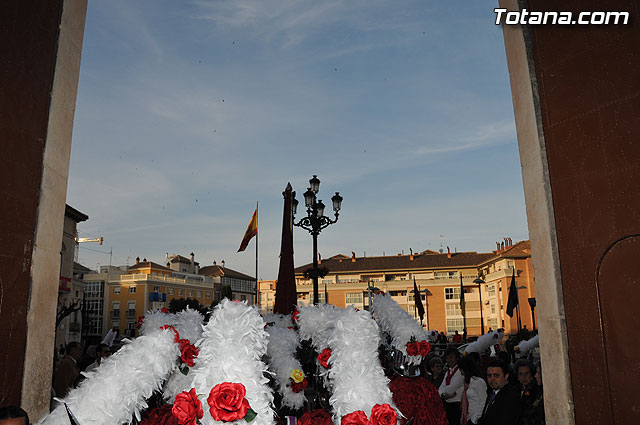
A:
{"points": [[505, 408]]}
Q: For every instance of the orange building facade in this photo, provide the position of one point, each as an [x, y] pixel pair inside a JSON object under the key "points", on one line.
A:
{"points": [[438, 277]]}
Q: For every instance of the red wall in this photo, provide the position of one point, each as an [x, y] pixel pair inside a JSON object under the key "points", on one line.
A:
{"points": [[28, 31], [589, 86]]}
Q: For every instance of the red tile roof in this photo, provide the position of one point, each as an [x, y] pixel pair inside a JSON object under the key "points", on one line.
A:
{"points": [[401, 262], [224, 271], [145, 264]]}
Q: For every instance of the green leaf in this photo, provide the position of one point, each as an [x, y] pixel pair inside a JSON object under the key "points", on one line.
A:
{"points": [[184, 370], [251, 415]]}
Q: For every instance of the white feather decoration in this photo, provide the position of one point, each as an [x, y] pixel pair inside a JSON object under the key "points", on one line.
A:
{"points": [[357, 377], [394, 320], [485, 341], [278, 320], [281, 352], [316, 323], [527, 345], [116, 391], [231, 349], [189, 324]]}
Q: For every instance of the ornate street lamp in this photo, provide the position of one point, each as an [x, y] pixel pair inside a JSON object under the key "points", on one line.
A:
{"points": [[315, 221], [479, 281]]}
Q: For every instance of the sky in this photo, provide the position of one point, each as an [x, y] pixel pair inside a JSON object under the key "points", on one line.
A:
{"points": [[188, 113]]}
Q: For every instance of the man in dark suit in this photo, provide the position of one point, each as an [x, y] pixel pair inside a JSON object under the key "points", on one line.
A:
{"points": [[503, 401]]}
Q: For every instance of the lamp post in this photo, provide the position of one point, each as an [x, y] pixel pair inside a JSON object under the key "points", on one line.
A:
{"points": [[479, 281], [315, 221], [532, 304]]}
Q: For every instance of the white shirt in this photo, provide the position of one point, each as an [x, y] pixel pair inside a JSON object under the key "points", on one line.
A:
{"points": [[477, 396], [456, 386]]}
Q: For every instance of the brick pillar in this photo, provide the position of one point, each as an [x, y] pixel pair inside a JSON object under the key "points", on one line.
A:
{"points": [[42, 43]]}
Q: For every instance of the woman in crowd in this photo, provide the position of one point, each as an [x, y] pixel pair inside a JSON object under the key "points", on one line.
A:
{"points": [[437, 371], [474, 394], [530, 381]]}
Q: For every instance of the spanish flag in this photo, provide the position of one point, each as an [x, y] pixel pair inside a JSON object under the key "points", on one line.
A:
{"points": [[252, 230]]}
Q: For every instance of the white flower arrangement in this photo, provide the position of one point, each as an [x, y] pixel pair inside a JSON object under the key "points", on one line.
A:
{"points": [[396, 322], [525, 346], [357, 377], [116, 391], [485, 341], [281, 352], [231, 348]]}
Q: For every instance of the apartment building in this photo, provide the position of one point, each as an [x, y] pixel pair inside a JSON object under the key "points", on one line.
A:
{"points": [[151, 286], [438, 276]]}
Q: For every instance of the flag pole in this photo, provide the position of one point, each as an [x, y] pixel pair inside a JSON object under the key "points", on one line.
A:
{"points": [[257, 232]]}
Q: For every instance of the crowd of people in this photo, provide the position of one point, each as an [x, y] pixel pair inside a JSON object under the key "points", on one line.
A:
{"points": [[482, 390]]}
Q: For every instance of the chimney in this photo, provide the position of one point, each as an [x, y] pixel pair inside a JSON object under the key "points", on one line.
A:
{"points": [[411, 254], [448, 253], [144, 260], [222, 263], [319, 259], [137, 260], [497, 246], [214, 262], [353, 257], [197, 269], [502, 246], [193, 266]]}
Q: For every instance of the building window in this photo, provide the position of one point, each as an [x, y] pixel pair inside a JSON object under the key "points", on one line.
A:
{"points": [[116, 289], [455, 325], [321, 298], [453, 309], [191, 292], [156, 289], [132, 289], [199, 294], [491, 290], [243, 297], [452, 293], [180, 292], [170, 291], [353, 298], [208, 294]]}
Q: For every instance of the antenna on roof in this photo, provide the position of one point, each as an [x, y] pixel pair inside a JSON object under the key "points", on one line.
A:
{"points": [[441, 250]]}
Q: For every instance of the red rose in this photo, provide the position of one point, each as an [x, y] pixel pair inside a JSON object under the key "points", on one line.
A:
{"points": [[297, 387], [425, 348], [412, 349], [294, 316], [316, 417], [176, 337], [140, 321], [164, 310], [383, 414], [355, 418], [187, 408], [227, 402], [188, 352], [323, 358], [159, 416]]}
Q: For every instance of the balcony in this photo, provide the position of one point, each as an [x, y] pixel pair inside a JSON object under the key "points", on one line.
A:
{"points": [[131, 314], [115, 314], [204, 281]]}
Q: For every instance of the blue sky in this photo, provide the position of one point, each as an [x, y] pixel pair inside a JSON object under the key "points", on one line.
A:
{"points": [[189, 112]]}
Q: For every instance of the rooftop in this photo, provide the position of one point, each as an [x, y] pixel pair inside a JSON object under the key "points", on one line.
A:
{"points": [[421, 261]]}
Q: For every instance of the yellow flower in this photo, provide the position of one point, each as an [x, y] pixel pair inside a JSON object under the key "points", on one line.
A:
{"points": [[297, 375]]}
